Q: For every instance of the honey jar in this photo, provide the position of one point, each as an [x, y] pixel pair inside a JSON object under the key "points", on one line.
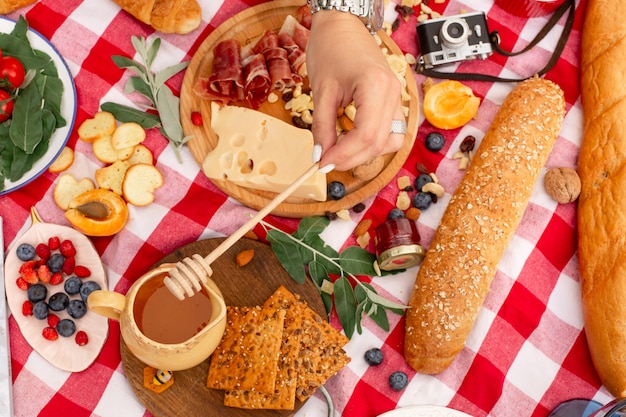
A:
{"points": [[397, 244]]}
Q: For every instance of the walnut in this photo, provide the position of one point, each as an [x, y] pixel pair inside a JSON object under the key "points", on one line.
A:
{"points": [[562, 184], [369, 169]]}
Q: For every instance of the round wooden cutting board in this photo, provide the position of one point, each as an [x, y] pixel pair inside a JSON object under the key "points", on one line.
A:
{"points": [[246, 27], [249, 285]]}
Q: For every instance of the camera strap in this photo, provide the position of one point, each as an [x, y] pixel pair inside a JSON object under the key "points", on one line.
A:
{"points": [[495, 40]]}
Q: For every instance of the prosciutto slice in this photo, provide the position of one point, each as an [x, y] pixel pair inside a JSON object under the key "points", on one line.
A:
{"points": [[296, 30], [225, 84], [257, 80], [295, 54], [276, 59], [303, 15]]}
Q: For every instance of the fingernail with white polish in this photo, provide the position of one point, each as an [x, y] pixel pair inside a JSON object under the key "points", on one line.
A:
{"points": [[317, 152], [326, 169]]}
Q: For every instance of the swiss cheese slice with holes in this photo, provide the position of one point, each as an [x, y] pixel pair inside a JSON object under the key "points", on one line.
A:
{"points": [[259, 151]]}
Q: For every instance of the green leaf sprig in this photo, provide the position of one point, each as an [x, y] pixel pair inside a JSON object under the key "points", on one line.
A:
{"points": [[152, 86], [24, 138], [304, 250]]}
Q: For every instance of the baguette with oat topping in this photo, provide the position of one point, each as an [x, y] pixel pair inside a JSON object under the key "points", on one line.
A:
{"points": [[481, 218]]}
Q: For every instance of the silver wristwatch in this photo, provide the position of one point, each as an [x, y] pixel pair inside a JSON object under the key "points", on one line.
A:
{"points": [[371, 12]]}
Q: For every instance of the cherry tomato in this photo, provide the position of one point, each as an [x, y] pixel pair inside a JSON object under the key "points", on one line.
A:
{"points": [[6, 105], [12, 70]]}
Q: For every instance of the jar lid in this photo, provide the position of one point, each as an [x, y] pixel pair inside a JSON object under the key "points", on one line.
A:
{"points": [[401, 257]]}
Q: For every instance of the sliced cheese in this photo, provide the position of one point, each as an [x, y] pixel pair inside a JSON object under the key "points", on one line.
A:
{"points": [[258, 151]]}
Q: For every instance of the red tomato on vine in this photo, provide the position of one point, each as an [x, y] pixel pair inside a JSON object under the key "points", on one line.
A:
{"points": [[12, 70], [6, 105]]}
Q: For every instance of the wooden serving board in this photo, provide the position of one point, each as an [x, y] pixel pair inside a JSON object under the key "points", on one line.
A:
{"points": [[246, 27], [241, 286]]}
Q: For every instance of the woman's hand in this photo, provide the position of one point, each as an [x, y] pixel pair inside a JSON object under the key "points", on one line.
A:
{"points": [[345, 64]]}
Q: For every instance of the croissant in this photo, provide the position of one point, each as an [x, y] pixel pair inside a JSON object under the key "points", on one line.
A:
{"points": [[167, 16], [8, 6]]}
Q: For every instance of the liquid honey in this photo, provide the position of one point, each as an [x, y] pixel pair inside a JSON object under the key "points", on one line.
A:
{"points": [[164, 318]]}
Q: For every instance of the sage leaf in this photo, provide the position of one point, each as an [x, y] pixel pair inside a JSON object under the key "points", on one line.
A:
{"points": [[311, 226], [168, 106], [138, 84], [127, 114], [286, 251], [345, 305], [357, 261], [318, 275], [162, 76], [379, 316]]}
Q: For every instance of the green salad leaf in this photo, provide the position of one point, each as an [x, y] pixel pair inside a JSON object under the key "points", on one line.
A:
{"points": [[24, 138]]}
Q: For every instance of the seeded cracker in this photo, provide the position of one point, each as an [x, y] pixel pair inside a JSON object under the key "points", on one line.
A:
{"points": [[247, 357], [284, 395], [321, 354]]}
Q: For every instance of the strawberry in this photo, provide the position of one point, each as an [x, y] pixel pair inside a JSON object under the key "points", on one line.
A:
{"points": [[56, 278], [27, 308], [54, 243], [68, 265], [43, 251], [67, 248], [81, 338], [82, 271], [44, 274], [28, 272], [53, 320], [196, 118], [22, 284], [50, 334]]}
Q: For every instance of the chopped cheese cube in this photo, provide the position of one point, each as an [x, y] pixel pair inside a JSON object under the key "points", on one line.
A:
{"points": [[259, 151]]}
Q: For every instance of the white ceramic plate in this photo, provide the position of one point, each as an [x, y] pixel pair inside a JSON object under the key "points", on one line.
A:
{"points": [[68, 107], [424, 411], [63, 353]]}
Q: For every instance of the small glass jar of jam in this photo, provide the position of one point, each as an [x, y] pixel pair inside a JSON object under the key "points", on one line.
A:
{"points": [[397, 244]]}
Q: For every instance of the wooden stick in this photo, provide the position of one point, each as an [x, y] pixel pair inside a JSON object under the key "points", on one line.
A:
{"points": [[247, 226]]}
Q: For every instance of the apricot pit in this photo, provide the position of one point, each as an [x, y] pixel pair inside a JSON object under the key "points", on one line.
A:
{"points": [[98, 212]]}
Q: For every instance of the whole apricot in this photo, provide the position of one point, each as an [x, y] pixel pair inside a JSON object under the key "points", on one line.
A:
{"points": [[98, 212]]}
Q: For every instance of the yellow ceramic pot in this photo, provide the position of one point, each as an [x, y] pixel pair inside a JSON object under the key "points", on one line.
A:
{"points": [[162, 318]]}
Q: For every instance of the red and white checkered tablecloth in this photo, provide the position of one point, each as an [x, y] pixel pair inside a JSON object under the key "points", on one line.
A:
{"points": [[527, 351]]}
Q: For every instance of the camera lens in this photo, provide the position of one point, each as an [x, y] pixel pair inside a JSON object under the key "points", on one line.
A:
{"points": [[454, 32]]}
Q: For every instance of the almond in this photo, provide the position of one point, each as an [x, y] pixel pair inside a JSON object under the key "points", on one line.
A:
{"points": [[345, 123], [244, 257], [362, 227]]}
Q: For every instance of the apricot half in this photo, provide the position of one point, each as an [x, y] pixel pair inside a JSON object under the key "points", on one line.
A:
{"points": [[98, 212], [450, 104]]}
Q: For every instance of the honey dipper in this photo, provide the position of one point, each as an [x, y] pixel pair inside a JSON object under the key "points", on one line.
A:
{"points": [[185, 278]]}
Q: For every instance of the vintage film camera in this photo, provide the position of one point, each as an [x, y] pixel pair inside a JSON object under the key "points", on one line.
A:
{"points": [[451, 39]]}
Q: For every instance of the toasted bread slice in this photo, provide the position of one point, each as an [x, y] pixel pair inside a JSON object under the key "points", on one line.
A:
{"points": [[63, 161], [128, 135], [102, 124], [140, 182], [141, 155], [112, 176], [68, 188], [104, 151]]}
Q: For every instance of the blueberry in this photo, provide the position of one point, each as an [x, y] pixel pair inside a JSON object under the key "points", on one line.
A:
{"points": [[37, 292], [395, 213], [72, 285], [25, 252], [76, 308], [422, 200], [434, 141], [58, 301], [374, 356], [336, 190], [398, 381], [421, 180], [87, 288], [55, 263], [40, 310], [66, 328]]}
